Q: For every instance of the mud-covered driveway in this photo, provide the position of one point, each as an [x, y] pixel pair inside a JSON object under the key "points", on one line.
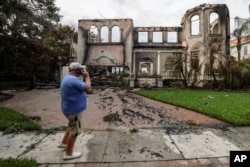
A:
{"points": [[109, 108]]}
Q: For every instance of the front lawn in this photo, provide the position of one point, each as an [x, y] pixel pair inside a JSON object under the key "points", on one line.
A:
{"points": [[232, 107], [12, 121], [15, 162]]}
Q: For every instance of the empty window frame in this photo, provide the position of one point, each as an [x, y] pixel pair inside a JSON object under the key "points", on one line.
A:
{"points": [[104, 34], [93, 33], [194, 60], [117, 70], [116, 34], [172, 37], [168, 63], [157, 37], [245, 51], [146, 67], [195, 25], [214, 23], [142, 37]]}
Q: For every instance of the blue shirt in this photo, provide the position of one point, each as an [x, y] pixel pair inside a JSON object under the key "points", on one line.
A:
{"points": [[73, 96]]}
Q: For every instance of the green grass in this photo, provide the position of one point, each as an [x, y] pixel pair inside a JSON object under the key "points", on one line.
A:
{"points": [[14, 162], [232, 107], [12, 121]]}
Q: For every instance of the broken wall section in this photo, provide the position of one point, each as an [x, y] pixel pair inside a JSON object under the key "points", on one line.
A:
{"points": [[105, 46], [153, 46], [206, 34]]}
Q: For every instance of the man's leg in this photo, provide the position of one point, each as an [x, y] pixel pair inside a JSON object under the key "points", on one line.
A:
{"points": [[75, 126], [66, 136], [65, 139], [70, 146]]}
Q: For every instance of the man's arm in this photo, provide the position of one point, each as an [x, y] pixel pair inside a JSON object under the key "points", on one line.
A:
{"points": [[87, 81]]}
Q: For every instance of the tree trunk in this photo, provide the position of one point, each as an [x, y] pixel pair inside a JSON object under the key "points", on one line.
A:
{"points": [[239, 47], [215, 84], [32, 82], [184, 80]]}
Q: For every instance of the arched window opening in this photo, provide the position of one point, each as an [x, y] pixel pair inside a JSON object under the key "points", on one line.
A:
{"points": [[104, 34], [195, 25], [172, 37], [214, 23], [116, 34], [143, 37], [93, 33], [157, 37], [117, 70]]}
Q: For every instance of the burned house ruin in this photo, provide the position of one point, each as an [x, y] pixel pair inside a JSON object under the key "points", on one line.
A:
{"points": [[196, 51]]}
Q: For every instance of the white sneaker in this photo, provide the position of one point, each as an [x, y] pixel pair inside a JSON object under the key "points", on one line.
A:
{"points": [[61, 145], [73, 156]]}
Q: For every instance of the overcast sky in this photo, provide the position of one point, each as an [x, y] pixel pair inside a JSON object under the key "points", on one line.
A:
{"points": [[143, 12]]}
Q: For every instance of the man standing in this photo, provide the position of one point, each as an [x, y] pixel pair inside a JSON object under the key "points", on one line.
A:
{"points": [[73, 103]]}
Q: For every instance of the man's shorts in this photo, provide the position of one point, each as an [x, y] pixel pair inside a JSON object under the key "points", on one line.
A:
{"points": [[74, 123]]}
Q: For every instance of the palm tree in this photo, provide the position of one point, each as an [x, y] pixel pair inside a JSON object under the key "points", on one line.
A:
{"points": [[242, 28], [213, 61], [177, 67], [239, 73]]}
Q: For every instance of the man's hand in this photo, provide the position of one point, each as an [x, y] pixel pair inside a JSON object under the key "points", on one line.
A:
{"points": [[85, 74]]}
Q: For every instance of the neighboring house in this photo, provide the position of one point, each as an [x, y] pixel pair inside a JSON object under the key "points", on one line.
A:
{"points": [[245, 47], [114, 47]]}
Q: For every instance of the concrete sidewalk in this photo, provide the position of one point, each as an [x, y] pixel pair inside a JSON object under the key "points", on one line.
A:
{"points": [[145, 145]]}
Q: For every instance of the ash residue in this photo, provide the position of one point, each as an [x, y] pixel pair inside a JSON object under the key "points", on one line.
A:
{"points": [[129, 106], [133, 114], [177, 129], [113, 117], [150, 152], [134, 110], [180, 130], [135, 107]]}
